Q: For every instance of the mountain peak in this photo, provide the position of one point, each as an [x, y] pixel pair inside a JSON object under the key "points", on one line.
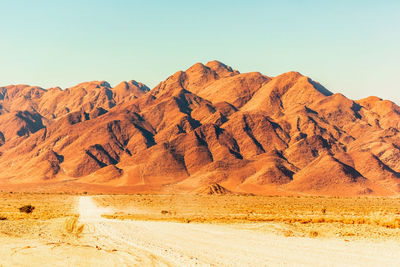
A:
{"points": [[129, 90], [92, 85], [140, 85], [215, 64], [221, 69], [290, 75]]}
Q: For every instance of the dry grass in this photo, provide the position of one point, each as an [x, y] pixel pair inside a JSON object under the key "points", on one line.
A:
{"points": [[290, 216], [46, 206], [72, 226], [305, 216], [45, 216]]}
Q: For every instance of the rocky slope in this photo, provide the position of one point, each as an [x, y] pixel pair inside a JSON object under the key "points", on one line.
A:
{"points": [[207, 127]]}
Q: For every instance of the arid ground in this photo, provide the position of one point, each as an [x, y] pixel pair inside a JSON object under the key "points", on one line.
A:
{"points": [[171, 230]]}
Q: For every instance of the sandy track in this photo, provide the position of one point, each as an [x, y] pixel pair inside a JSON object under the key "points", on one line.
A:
{"points": [[168, 243]]}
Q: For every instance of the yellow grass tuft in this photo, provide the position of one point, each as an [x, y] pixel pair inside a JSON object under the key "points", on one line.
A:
{"points": [[72, 226]]}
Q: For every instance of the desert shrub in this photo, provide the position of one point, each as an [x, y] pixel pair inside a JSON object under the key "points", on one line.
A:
{"points": [[27, 208], [313, 234]]}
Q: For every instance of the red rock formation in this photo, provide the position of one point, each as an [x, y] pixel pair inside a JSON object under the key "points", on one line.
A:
{"points": [[206, 129]]}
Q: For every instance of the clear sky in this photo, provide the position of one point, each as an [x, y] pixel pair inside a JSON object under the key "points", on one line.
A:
{"points": [[351, 47]]}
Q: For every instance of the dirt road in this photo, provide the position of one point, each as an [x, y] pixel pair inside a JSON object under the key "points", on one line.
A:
{"points": [[106, 242], [177, 244]]}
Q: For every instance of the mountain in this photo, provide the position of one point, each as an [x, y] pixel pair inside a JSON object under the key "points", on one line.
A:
{"points": [[208, 129]]}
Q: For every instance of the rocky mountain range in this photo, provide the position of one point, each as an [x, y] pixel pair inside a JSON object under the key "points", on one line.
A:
{"points": [[209, 129]]}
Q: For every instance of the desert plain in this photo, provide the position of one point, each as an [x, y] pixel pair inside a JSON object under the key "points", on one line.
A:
{"points": [[198, 230]]}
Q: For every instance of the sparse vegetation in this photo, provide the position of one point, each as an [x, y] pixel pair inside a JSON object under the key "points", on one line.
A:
{"points": [[46, 206], [305, 216]]}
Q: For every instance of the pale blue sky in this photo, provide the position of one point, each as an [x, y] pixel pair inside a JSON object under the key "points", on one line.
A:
{"points": [[351, 47]]}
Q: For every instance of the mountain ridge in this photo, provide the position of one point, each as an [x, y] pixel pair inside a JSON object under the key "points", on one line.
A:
{"points": [[205, 126]]}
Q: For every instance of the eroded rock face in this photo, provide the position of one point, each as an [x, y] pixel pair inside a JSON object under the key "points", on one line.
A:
{"points": [[209, 129]]}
